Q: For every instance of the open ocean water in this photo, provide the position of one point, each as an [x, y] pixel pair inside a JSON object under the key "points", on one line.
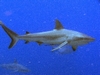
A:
{"points": [[38, 16]]}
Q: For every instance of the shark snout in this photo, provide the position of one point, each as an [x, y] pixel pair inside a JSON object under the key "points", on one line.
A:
{"points": [[88, 38], [92, 39]]}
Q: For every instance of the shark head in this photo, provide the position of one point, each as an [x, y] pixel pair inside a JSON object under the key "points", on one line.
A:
{"points": [[82, 39], [73, 38]]}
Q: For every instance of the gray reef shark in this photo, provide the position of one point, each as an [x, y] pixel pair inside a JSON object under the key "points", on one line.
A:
{"points": [[15, 67], [58, 36]]}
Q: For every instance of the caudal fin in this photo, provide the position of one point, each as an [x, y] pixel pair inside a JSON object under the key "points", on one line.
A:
{"points": [[11, 34]]}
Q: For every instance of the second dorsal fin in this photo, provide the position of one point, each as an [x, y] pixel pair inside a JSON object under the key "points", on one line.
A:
{"points": [[27, 32], [58, 25]]}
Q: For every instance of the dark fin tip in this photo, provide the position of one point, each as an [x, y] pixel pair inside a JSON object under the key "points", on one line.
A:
{"points": [[11, 44], [27, 32]]}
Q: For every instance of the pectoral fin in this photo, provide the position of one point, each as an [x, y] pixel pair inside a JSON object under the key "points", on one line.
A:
{"points": [[74, 48], [61, 45]]}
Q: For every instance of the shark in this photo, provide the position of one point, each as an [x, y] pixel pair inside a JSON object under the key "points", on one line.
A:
{"points": [[15, 67], [58, 36]]}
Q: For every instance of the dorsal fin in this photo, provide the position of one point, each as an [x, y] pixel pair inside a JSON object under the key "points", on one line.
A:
{"points": [[58, 25], [27, 32], [15, 61]]}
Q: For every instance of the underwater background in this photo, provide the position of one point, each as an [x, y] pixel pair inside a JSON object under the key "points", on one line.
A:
{"points": [[38, 16]]}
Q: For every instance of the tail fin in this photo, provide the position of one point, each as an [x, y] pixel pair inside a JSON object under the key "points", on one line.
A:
{"points": [[11, 34]]}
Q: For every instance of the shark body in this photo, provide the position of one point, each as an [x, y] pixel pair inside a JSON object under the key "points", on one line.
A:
{"points": [[15, 67], [58, 36]]}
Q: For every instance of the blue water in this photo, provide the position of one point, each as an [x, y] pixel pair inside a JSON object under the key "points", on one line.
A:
{"points": [[39, 15]]}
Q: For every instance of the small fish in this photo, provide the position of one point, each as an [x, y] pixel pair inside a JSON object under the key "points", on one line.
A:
{"points": [[58, 36], [15, 67]]}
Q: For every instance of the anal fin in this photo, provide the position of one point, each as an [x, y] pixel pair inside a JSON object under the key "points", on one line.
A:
{"points": [[26, 42], [39, 42]]}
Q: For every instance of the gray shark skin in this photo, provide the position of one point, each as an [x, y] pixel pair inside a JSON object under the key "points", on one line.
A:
{"points": [[58, 36], [15, 67]]}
